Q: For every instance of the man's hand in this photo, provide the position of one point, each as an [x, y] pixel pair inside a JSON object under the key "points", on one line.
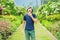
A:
{"points": [[34, 19], [30, 14]]}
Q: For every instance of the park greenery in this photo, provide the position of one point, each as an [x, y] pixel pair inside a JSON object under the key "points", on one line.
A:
{"points": [[47, 14]]}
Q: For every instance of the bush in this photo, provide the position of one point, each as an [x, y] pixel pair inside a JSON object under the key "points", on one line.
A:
{"points": [[5, 29], [55, 17], [50, 11], [15, 21], [48, 15]]}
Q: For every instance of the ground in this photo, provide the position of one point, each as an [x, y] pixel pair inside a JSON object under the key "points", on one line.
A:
{"points": [[41, 33]]}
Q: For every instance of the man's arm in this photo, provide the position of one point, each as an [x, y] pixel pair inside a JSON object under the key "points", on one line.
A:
{"points": [[23, 23], [34, 19]]}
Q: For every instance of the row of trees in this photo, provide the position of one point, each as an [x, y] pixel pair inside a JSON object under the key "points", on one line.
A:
{"points": [[8, 6], [49, 16], [46, 1], [11, 10]]}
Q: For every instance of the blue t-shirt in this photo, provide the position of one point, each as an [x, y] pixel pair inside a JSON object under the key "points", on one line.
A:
{"points": [[29, 22]]}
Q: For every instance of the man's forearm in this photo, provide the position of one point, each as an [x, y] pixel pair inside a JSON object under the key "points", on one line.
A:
{"points": [[34, 19], [23, 24]]}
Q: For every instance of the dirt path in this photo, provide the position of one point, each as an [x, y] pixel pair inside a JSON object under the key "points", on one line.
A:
{"points": [[41, 33]]}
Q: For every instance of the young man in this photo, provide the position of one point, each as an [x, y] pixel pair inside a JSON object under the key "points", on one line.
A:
{"points": [[29, 18]]}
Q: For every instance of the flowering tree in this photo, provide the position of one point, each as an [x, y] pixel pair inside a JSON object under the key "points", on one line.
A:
{"points": [[50, 11], [5, 29], [8, 6]]}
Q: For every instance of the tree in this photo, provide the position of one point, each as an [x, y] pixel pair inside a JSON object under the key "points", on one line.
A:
{"points": [[9, 6], [46, 1], [5, 29], [37, 3]]}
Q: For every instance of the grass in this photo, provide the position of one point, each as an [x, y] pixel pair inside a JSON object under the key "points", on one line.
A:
{"points": [[41, 33]]}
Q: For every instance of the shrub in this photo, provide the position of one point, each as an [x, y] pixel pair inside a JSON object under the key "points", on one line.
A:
{"points": [[50, 11], [5, 29], [48, 15]]}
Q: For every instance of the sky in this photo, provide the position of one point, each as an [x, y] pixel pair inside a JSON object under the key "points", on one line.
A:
{"points": [[26, 3]]}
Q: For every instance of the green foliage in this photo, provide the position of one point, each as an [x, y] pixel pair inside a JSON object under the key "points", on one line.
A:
{"points": [[49, 11], [12, 13], [15, 21], [9, 7], [46, 1], [50, 8], [46, 23], [22, 10], [55, 17], [49, 16], [5, 29]]}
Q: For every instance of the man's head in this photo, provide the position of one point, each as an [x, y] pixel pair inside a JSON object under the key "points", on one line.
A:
{"points": [[30, 10]]}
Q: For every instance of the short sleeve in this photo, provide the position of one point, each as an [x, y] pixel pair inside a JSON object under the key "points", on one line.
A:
{"points": [[24, 17], [34, 16]]}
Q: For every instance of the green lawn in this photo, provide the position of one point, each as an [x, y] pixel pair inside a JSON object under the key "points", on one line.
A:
{"points": [[41, 33]]}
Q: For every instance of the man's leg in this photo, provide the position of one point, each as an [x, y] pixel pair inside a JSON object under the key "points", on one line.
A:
{"points": [[27, 35], [32, 34]]}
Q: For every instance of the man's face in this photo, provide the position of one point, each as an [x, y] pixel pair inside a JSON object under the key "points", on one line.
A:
{"points": [[30, 10]]}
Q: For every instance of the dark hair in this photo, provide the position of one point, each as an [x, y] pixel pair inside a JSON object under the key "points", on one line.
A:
{"points": [[29, 8]]}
